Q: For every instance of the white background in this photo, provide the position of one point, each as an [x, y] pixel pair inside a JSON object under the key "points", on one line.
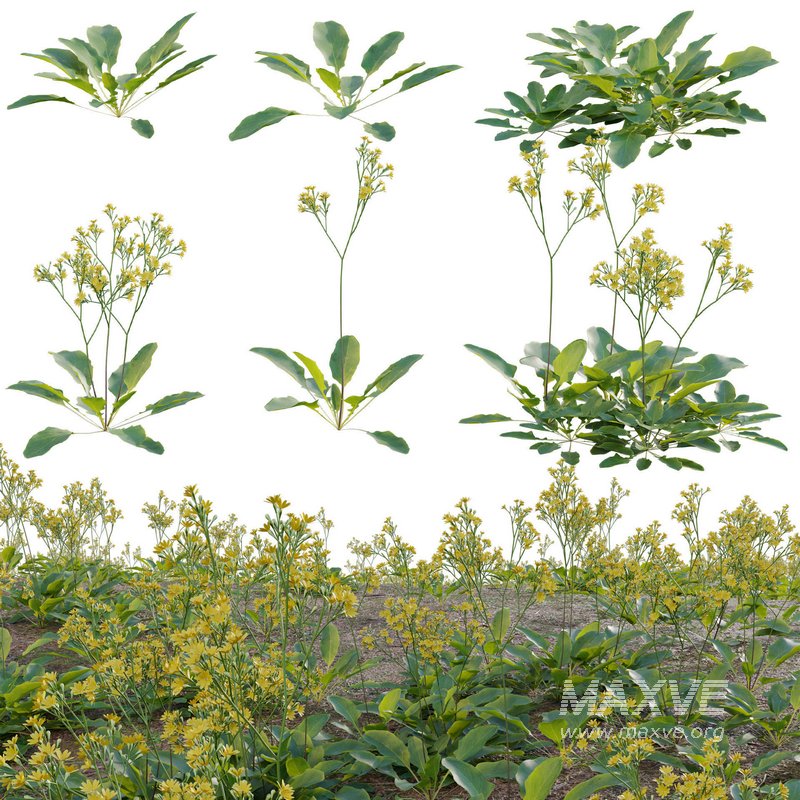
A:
{"points": [[445, 257]]}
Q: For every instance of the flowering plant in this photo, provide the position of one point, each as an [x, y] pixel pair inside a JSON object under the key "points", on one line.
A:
{"points": [[109, 291], [329, 399], [628, 404]]}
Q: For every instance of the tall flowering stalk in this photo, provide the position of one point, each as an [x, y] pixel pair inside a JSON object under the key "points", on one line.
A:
{"points": [[328, 399]]}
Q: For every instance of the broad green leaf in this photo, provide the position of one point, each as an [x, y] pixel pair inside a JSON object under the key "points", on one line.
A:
{"points": [[187, 69], [345, 708], [538, 784], [380, 130], [31, 99], [339, 112], [330, 79], [126, 377], [569, 360], [329, 643], [105, 40], [287, 64], [479, 419], [332, 41], [500, 624], [493, 360], [469, 778], [624, 146], [657, 148], [388, 439], [315, 372], [427, 75], [380, 52], [5, 644], [474, 742], [162, 48], [344, 359], [284, 403], [671, 32], [592, 786], [143, 128], [392, 374], [390, 745], [40, 389], [95, 405], [280, 359], [350, 85], [261, 119], [43, 441], [746, 62], [172, 401], [400, 74], [87, 54], [136, 436], [389, 702], [65, 60]]}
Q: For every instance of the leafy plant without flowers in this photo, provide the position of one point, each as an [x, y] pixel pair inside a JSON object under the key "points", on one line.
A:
{"points": [[86, 65]]}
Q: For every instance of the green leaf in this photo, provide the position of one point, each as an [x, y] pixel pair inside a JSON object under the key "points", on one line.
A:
{"points": [[332, 41], [31, 99], [85, 53], [624, 146], [569, 360], [136, 436], [480, 419], [592, 786], [172, 401], [344, 359], [493, 360], [539, 783], [187, 69], [43, 441], [329, 643], [390, 745], [469, 778], [380, 52], [473, 743], [380, 130], [392, 374], [671, 32], [162, 48], [339, 112], [280, 359], [388, 439], [287, 64], [126, 377], [570, 456], [746, 62], [5, 644], [331, 80], [315, 372], [262, 119], [389, 702], [95, 405], [284, 403], [657, 148], [500, 624], [40, 389], [105, 40], [427, 75], [143, 128]]}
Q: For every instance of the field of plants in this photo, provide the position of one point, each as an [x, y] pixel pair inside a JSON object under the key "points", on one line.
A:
{"points": [[572, 655], [235, 663]]}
